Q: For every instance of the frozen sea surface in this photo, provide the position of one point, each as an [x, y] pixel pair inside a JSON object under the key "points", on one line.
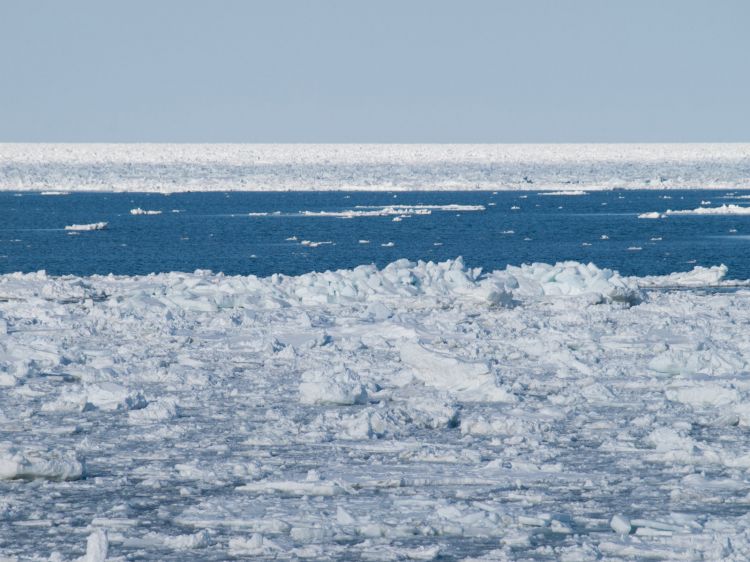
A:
{"points": [[419, 411], [371, 167], [293, 233]]}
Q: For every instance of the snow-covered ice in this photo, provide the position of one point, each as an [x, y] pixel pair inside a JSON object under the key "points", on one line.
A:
{"points": [[566, 168], [419, 411]]}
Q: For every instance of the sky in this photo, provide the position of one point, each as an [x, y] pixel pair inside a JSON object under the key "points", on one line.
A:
{"points": [[375, 71]]}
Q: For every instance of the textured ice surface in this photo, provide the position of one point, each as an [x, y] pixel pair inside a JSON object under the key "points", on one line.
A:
{"points": [[422, 411], [568, 168]]}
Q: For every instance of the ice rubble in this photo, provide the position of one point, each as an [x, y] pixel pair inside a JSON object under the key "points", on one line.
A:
{"points": [[417, 411], [566, 168]]}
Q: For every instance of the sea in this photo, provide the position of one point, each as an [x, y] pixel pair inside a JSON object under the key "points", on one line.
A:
{"points": [[262, 233]]}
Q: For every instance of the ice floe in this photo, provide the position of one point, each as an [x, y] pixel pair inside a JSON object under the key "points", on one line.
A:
{"points": [[571, 192], [313, 244], [725, 209], [32, 465], [651, 215], [139, 211], [396, 211], [697, 277], [90, 226]]}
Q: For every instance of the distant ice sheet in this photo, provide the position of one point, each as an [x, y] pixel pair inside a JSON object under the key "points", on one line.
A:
{"points": [[565, 169]]}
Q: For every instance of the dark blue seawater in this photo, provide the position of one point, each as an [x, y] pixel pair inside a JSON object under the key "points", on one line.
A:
{"points": [[213, 231]]}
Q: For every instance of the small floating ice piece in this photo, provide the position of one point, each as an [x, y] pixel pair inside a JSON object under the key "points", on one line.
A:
{"points": [[110, 396], [515, 208], [651, 215], [634, 248], [139, 211], [364, 241], [620, 524], [55, 193], [311, 244], [91, 226], [508, 232], [255, 546], [293, 488], [604, 237], [17, 465], [340, 389], [291, 239], [564, 192], [159, 411], [259, 214], [388, 245], [97, 546]]}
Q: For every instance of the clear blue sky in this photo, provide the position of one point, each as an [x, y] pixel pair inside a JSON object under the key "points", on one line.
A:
{"points": [[375, 71]]}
